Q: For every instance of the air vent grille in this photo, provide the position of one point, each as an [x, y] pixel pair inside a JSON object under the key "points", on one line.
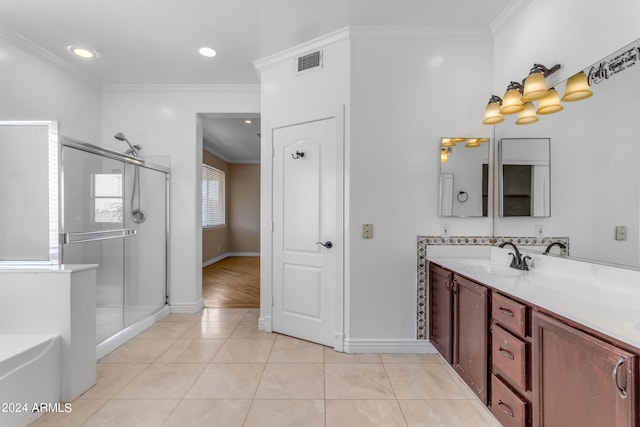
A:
{"points": [[309, 61]]}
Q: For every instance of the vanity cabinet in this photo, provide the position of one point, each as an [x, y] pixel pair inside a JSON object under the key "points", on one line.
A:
{"points": [[458, 326], [441, 310], [579, 379]]}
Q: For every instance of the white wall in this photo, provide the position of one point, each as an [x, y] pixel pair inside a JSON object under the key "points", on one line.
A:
{"points": [[33, 88], [408, 89], [163, 120]]}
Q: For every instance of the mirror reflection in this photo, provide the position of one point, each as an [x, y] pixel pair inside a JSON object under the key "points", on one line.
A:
{"points": [[524, 169], [596, 158], [464, 177]]}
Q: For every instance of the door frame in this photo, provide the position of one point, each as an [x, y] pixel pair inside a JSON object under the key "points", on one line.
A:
{"points": [[265, 322]]}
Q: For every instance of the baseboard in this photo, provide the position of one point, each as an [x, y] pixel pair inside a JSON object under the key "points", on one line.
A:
{"points": [[227, 255], [188, 308], [110, 344], [388, 346]]}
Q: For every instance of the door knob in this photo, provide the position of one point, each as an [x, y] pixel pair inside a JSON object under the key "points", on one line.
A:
{"points": [[326, 244]]}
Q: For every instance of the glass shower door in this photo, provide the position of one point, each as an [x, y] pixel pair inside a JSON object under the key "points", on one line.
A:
{"points": [[145, 269], [94, 230]]}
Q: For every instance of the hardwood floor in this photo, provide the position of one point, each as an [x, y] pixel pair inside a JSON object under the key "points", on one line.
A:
{"points": [[232, 283]]}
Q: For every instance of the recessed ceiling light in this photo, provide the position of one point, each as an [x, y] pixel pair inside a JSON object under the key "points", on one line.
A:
{"points": [[207, 51], [248, 121], [82, 52]]}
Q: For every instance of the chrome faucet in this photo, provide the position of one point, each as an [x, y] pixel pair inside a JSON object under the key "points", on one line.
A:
{"points": [[558, 244], [517, 261]]}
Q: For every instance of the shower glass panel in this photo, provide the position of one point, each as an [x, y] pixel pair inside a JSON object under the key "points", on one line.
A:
{"points": [[99, 228], [146, 251]]}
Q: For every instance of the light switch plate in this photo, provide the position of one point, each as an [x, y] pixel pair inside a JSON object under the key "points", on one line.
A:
{"points": [[367, 231]]}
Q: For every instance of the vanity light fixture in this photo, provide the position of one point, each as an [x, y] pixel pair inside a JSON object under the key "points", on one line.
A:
{"points": [[444, 154], [82, 52], [535, 85], [550, 103], [528, 115], [492, 111], [577, 88], [472, 142], [448, 142], [512, 99]]}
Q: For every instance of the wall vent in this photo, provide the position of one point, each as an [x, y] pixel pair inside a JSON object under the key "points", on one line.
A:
{"points": [[310, 61]]}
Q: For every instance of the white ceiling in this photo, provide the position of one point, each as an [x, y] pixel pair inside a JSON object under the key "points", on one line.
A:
{"points": [[230, 138], [156, 41]]}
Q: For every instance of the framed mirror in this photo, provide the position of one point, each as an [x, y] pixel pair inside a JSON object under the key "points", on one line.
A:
{"points": [[29, 217], [524, 177], [595, 167], [464, 177]]}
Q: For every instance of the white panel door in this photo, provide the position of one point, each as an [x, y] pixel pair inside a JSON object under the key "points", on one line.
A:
{"points": [[306, 215]]}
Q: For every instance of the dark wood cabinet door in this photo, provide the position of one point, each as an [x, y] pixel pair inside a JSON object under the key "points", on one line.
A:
{"points": [[440, 310], [471, 330], [580, 380]]}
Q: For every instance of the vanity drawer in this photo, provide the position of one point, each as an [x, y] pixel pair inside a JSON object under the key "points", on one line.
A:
{"points": [[509, 314], [509, 355], [506, 405]]}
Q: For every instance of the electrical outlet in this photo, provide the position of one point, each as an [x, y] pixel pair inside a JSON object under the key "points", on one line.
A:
{"points": [[445, 230], [367, 231], [539, 231], [621, 232]]}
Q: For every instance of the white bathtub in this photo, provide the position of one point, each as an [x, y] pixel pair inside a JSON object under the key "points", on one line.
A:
{"points": [[29, 377]]}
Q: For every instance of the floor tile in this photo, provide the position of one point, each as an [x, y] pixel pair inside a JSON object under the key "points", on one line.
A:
{"points": [[244, 351], [191, 351], [423, 381], [206, 330], [111, 378], [253, 314], [411, 358], [170, 381], [292, 381], [332, 356], [286, 413], [227, 381], [249, 330], [293, 350], [357, 381], [441, 413], [167, 330], [81, 410], [132, 413], [139, 351], [224, 314], [199, 413], [364, 413]]}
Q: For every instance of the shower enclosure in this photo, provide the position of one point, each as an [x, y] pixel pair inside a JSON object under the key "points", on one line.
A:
{"points": [[114, 213]]}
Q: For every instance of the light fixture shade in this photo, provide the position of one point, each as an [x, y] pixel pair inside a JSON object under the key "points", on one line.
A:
{"points": [[448, 142], [535, 87], [511, 102], [492, 114], [577, 88], [483, 140], [444, 158], [472, 142], [551, 103], [456, 140], [528, 115]]}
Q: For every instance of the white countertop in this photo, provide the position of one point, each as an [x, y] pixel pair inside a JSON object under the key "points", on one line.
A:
{"points": [[603, 298]]}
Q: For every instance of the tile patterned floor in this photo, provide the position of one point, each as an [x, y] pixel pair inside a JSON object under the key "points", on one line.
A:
{"points": [[214, 368]]}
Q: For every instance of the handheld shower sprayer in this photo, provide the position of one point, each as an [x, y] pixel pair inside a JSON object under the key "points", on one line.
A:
{"points": [[133, 149]]}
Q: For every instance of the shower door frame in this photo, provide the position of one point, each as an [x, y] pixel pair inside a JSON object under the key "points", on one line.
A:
{"points": [[104, 152]]}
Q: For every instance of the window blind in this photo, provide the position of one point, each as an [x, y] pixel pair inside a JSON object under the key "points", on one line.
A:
{"points": [[212, 197]]}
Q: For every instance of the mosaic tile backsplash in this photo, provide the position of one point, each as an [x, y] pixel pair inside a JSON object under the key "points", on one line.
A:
{"points": [[425, 241]]}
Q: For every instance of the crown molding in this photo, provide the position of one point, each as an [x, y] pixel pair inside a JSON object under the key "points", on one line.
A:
{"points": [[510, 12], [143, 87], [423, 31], [41, 53]]}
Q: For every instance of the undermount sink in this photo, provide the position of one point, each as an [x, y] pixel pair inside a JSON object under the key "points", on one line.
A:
{"points": [[491, 268]]}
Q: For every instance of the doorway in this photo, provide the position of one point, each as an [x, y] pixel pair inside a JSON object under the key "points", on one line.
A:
{"points": [[231, 190]]}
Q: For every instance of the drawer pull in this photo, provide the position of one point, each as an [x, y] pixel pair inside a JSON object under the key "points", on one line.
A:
{"points": [[621, 391], [505, 408], [506, 353], [506, 312]]}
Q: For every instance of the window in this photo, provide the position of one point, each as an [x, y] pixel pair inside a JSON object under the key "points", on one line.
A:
{"points": [[212, 197], [107, 197]]}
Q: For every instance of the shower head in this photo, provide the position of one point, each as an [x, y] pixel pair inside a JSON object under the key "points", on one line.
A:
{"points": [[133, 149]]}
